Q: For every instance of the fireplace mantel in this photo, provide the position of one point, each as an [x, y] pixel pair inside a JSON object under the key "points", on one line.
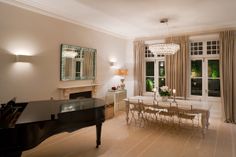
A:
{"points": [[68, 89]]}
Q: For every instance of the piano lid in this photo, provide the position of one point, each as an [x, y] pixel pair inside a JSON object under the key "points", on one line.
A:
{"points": [[82, 104], [43, 110]]}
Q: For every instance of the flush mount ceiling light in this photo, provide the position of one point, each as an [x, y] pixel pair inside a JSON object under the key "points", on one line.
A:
{"points": [[164, 48]]}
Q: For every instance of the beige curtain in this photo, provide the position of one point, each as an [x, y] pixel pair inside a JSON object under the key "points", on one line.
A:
{"points": [[139, 51], [177, 66], [88, 69], [227, 82], [68, 68]]}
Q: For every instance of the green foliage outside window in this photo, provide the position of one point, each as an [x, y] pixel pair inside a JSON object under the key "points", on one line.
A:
{"points": [[213, 69], [196, 68], [149, 85]]}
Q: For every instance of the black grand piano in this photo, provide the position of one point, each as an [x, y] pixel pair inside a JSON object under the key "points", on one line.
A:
{"points": [[25, 125]]}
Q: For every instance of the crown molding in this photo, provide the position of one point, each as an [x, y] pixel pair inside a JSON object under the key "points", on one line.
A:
{"points": [[49, 14], [211, 29]]}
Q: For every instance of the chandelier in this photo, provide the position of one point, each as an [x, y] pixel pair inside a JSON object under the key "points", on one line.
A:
{"points": [[69, 53], [164, 48]]}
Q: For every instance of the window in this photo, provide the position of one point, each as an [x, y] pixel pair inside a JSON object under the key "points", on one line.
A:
{"points": [[77, 69], [161, 76], [154, 70], [79, 64], [196, 77], [150, 77], [213, 47], [204, 66], [213, 78], [196, 48]]}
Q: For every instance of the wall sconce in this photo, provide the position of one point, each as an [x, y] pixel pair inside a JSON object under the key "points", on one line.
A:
{"points": [[23, 58], [112, 63]]}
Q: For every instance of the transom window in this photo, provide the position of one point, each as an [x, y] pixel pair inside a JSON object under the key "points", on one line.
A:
{"points": [[213, 47], [196, 48]]}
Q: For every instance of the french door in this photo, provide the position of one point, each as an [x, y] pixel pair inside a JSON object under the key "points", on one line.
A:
{"points": [[205, 78], [155, 74]]}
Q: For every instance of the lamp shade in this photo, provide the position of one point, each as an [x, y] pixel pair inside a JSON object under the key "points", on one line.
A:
{"points": [[122, 72]]}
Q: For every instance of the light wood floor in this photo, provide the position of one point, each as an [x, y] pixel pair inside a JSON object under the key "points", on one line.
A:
{"points": [[121, 140]]}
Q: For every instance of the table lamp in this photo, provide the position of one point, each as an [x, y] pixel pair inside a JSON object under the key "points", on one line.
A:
{"points": [[122, 73]]}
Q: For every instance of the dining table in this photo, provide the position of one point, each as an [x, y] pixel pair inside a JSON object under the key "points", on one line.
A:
{"points": [[180, 105]]}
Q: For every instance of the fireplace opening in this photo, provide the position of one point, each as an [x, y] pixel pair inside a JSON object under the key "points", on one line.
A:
{"points": [[87, 94]]}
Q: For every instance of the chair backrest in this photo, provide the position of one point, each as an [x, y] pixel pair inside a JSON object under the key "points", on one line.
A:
{"points": [[185, 107], [164, 104], [155, 103], [135, 104]]}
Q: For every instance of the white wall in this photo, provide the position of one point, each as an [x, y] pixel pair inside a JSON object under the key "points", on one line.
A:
{"points": [[23, 32], [130, 65]]}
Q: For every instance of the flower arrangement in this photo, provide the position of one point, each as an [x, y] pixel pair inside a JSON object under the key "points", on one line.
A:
{"points": [[165, 91]]}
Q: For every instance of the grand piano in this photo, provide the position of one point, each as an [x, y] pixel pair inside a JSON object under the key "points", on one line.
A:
{"points": [[25, 125]]}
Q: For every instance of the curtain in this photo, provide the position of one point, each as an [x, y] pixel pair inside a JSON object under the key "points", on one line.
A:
{"points": [[88, 69], [139, 51], [227, 52], [68, 68], [177, 66]]}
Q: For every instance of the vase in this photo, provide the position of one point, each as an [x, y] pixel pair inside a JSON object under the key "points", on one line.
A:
{"points": [[164, 98]]}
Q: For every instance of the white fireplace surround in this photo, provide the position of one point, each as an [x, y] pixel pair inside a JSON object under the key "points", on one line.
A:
{"points": [[67, 90]]}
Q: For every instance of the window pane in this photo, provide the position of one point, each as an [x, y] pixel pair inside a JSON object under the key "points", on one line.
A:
{"points": [[161, 82], [77, 75], [161, 68], [196, 86], [214, 87], [196, 68], [149, 84], [149, 68], [213, 68], [196, 48], [77, 68]]}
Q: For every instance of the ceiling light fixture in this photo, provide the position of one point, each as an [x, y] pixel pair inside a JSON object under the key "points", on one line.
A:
{"points": [[164, 48]]}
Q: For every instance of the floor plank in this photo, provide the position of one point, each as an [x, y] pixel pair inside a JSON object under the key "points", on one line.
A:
{"points": [[122, 140]]}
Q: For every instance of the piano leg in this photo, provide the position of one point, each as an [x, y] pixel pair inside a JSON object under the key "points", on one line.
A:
{"points": [[98, 132]]}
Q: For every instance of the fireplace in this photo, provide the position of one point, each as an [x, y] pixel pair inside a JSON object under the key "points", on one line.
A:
{"points": [[66, 91], [86, 94]]}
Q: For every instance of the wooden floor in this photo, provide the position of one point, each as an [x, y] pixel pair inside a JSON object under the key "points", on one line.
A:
{"points": [[121, 140]]}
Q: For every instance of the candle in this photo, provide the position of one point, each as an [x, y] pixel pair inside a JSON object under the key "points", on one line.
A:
{"points": [[154, 89], [174, 91]]}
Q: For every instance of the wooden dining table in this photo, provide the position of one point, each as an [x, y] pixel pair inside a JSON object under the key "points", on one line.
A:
{"points": [[187, 106]]}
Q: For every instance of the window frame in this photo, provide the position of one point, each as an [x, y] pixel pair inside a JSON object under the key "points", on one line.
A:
{"points": [[156, 61], [204, 57]]}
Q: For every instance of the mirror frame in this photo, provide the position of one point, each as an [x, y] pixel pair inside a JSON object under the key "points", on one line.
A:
{"points": [[93, 77]]}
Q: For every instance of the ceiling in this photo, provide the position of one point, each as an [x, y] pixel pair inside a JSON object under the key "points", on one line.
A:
{"points": [[139, 18]]}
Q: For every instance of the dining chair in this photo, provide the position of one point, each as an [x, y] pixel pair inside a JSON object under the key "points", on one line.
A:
{"points": [[167, 113], [185, 114], [150, 112], [136, 110]]}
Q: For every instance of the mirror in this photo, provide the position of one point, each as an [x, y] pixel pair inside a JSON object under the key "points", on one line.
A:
{"points": [[77, 63]]}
